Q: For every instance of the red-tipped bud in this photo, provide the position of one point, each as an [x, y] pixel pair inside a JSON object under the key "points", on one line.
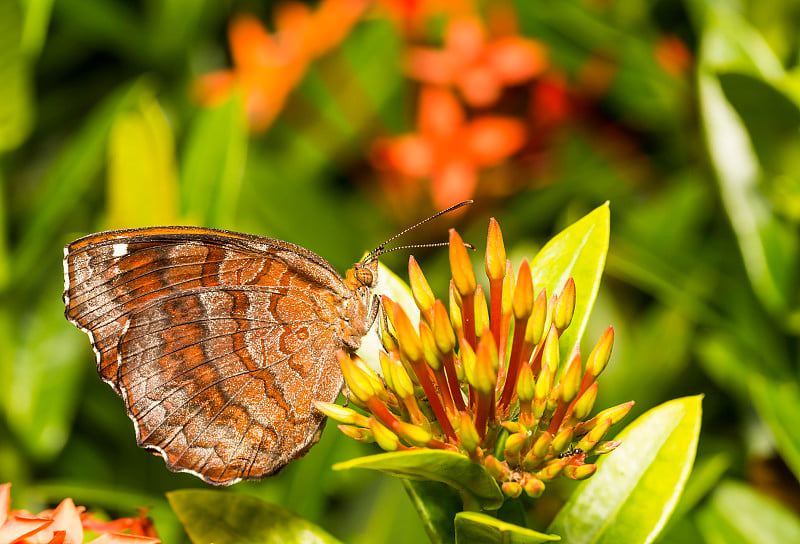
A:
{"points": [[385, 438], [467, 433], [481, 311], [460, 265], [552, 469], [571, 379], [579, 472], [357, 433], [402, 383], [615, 414], [595, 435], [413, 434], [455, 310], [535, 327], [429, 349], [423, 295], [495, 252], [341, 414], [523, 292], [533, 487], [565, 306], [508, 289], [606, 447], [486, 364], [496, 468], [583, 407], [526, 384], [407, 337], [562, 440], [511, 489], [542, 445], [515, 443], [359, 384], [442, 329], [550, 355], [598, 358]]}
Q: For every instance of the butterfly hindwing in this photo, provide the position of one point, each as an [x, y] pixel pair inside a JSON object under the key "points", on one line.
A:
{"points": [[216, 341]]}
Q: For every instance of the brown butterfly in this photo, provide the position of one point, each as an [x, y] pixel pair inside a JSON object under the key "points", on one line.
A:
{"points": [[218, 341]]}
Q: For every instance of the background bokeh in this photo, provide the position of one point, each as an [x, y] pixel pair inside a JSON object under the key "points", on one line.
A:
{"points": [[335, 126]]}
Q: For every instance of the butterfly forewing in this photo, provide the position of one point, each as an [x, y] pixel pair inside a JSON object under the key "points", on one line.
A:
{"points": [[217, 341]]}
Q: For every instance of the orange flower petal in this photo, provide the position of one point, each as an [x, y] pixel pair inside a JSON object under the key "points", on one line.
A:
{"points": [[490, 140], [515, 59], [465, 37], [409, 155], [672, 55], [480, 86], [119, 538], [439, 115], [213, 88], [5, 502], [333, 21], [551, 102], [293, 22], [251, 45], [18, 527], [432, 66], [453, 182]]}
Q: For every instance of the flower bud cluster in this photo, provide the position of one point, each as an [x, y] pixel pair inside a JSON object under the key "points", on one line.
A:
{"points": [[484, 377]]}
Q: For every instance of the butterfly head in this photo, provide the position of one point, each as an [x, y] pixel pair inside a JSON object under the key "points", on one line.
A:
{"points": [[364, 274]]}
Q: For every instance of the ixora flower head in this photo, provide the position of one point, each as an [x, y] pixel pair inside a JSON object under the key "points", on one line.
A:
{"points": [[484, 378]]}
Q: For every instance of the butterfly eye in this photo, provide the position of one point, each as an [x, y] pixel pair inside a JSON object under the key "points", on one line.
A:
{"points": [[364, 275]]}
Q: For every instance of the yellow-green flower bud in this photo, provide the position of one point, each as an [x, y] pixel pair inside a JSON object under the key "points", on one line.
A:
{"points": [[495, 252], [420, 289], [460, 265]]}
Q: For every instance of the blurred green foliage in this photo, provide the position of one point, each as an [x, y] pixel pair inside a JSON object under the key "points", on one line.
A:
{"points": [[98, 130]]}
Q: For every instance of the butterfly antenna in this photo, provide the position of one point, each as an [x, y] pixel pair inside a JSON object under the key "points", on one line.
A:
{"points": [[380, 249]]}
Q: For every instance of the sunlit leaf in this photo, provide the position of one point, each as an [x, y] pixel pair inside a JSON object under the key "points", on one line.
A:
{"points": [[579, 251], [777, 404], [477, 487], [142, 178], [768, 246], [478, 528], [737, 514], [34, 31], [213, 164], [41, 387], [635, 488], [16, 92], [230, 518], [67, 181]]}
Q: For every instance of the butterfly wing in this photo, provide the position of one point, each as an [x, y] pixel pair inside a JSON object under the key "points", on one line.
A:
{"points": [[217, 342]]}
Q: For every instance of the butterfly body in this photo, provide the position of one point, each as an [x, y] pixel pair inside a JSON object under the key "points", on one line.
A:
{"points": [[217, 341]]}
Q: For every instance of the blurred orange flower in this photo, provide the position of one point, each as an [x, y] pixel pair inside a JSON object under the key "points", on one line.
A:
{"points": [[448, 149], [477, 66], [672, 55], [411, 15], [267, 67], [65, 525]]}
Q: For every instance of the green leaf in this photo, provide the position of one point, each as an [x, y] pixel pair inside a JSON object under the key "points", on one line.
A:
{"points": [[477, 528], [635, 488], [776, 403], [769, 247], [16, 93], [437, 505], [34, 31], [213, 164], [142, 178], [66, 183], [477, 487], [229, 518], [579, 251], [40, 386], [736, 514]]}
